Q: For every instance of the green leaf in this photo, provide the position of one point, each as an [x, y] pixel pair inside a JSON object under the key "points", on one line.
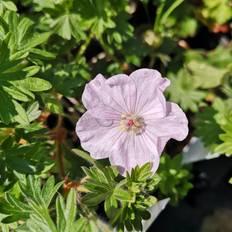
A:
{"points": [[7, 109], [20, 165], [110, 203], [42, 54], [77, 31], [84, 155], [137, 223], [63, 27], [36, 40], [183, 91], [123, 195], [7, 209], [206, 127], [14, 209], [204, 75], [31, 70], [93, 199], [70, 210], [12, 218], [11, 76], [42, 214], [175, 178], [218, 11], [145, 215], [226, 146], [33, 111], [23, 28], [60, 214], [81, 224], [49, 190], [16, 203], [34, 84], [144, 172], [22, 117], [16, 93], [9, 5]]}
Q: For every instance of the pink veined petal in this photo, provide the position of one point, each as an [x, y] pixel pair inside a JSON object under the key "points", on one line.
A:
{"points": [[123, 90], [174, 125], [98, 92], [93, 93], [98, 136], [105, 112], [155, 107], [118, 92], [162, 141], [145, 74], [135, 150], [150, 86]]}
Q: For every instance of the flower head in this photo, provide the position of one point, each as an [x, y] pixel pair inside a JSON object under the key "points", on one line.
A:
{"points": [[128, 119]]}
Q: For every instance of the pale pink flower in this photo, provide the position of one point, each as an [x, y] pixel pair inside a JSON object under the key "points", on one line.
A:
{"points": [[128, 119]]}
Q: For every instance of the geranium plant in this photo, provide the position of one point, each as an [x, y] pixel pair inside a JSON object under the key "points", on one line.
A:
{"points": [[83, 151]]}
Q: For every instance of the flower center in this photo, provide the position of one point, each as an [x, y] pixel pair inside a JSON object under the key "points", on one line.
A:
{"points": [[132, 123]]}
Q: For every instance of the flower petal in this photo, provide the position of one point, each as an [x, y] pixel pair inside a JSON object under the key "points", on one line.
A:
{"points": [[150, 86], [118, 92], [92, 94], [135, 150], [123, 90], [155, 107], [174, 125], [98, 136], [145, 74], [105, 112]]}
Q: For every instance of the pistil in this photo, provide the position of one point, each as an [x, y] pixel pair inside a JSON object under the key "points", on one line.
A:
{"points": [[132, 123]]}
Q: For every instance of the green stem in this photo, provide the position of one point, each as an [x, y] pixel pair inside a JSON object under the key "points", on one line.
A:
{"points": [[158, 17], [84, 46], [170, 10], [161, 19]]}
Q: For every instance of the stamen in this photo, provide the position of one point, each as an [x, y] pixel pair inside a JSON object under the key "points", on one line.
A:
{"points": [[132, 123]]}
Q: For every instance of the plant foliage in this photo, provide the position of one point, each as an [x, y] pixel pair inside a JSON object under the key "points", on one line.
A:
{"points": [[49, 50]]}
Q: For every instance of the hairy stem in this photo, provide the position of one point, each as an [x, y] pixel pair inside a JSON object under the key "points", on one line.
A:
{"points": [[58, 144]]}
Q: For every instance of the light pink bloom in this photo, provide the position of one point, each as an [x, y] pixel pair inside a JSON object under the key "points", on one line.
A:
{"points": [[128, 119]]}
